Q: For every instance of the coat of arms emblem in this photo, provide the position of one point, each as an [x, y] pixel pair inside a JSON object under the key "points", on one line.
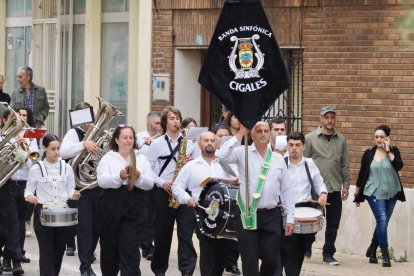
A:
{"points": [[250, 58]]}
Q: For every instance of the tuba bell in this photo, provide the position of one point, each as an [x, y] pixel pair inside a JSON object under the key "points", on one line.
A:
{"points": [[11, 156], [84, 164]]}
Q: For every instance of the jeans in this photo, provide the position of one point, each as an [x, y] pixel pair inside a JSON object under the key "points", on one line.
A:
{"points": [[382, 209]]}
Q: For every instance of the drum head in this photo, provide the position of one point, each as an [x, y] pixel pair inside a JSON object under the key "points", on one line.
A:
{"points": [[214, 196], [307, 212]]}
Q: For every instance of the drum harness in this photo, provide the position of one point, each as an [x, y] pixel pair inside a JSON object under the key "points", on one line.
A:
{"points": [[55, 182]]}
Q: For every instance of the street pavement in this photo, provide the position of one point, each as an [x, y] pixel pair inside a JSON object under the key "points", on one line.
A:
{"points": [[349, 264]]}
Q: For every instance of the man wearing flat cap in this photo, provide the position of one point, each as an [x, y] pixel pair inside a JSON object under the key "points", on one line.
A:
{"points": [[329, 149]]}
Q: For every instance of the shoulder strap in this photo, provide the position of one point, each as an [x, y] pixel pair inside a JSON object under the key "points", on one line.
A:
{"points": [[313, 192], [168, 158], [42, 168]]}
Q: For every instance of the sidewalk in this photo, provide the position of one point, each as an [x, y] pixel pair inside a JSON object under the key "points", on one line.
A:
{"points": [[350, 265]]}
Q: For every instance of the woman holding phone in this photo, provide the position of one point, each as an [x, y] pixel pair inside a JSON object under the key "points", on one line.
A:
{"points": [[379, 183]]}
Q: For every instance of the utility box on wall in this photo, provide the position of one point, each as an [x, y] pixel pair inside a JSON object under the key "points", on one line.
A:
{"points": [[161, 87]]}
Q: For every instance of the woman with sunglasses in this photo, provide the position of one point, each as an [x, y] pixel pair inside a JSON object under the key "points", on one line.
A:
{"points": [[50, 183], [124, 174]]}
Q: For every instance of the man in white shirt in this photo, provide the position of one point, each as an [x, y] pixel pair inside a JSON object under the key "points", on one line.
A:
{"points": [[307, 183], [145, 137], [277, 128], [163, 157], [87, 229], [260, 240], [193, 173]]}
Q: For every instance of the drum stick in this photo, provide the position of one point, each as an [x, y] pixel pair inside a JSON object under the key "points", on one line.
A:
{"points": [[315, 201]]}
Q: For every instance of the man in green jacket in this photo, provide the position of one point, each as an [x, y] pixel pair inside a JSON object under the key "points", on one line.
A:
{"points": [[30, 95], [329, 149]]}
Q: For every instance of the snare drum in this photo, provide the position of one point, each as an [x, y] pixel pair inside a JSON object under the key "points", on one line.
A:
{"points": [[59, 217], [308, 220], [222, 198]]}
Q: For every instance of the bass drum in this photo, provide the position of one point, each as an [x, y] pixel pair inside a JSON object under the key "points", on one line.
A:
{"points": [[222, 210]]}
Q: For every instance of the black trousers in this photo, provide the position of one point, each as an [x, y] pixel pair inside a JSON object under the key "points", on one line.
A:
{"points": [[212, 255], [263, 244], [15, 220], [293, 250], [164, 228], [52, 244], [147, 237], [4, 195], [88, 226], [122, 219], [71, 240], [231, 252], [333, 218]]}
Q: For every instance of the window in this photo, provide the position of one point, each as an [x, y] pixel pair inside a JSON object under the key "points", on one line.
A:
{"points": [[19, 8], [115, 5], [114, 77]]}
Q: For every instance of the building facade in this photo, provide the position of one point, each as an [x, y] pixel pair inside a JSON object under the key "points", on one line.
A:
{"points": [[356, 56], [80, 50]]}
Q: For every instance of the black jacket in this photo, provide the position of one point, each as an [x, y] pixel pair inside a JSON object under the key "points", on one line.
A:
{"points": [[365, 169]]}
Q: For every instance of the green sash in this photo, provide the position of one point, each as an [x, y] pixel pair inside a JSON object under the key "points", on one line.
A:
{"points": [[250, 222]]}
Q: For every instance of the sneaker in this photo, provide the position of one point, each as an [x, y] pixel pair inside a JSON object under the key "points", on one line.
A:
{"points": [[70, 251], [330, 260]]}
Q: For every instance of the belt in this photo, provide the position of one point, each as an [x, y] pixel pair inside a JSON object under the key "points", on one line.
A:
{"points": [[265, 210], [17, 182]]}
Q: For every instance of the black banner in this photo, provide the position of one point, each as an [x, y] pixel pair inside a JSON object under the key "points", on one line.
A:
{"points": [[244, 67]]}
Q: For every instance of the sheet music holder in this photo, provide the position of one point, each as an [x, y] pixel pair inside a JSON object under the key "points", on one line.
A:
{"points": [[34, 133], [195, 132], [81, 116]]}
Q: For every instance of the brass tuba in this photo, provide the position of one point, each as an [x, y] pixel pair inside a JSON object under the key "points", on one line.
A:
{"points": [[172, 200], [84, 164], [11, 156]]}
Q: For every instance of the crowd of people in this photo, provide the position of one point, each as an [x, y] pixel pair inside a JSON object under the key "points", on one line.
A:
{"points": [[143, 184]]}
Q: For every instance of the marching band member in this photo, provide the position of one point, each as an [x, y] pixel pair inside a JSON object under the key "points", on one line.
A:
{"points": [[260, 226], [87, 228], [212, 253], [306, 180], [144, 139], [163, 157], [122, 206], [16, 204], [52, 181]]}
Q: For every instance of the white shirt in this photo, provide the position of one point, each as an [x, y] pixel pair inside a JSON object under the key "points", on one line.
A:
{"points": [[44, 190], [23, 172], [277, 181], [300, 181], [141, 136], [71, 146], [158, 148], [108, 171], [192, 174]]}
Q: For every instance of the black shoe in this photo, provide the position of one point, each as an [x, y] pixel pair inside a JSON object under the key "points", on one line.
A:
{"points": [[234, 270], [7, 265], [24, 259], [372, 253], [308, 253], [85, 273], [91, 272], [160, 274], [17, 268], [330, 260], [386, 262], [70, 251], [150, 254]]}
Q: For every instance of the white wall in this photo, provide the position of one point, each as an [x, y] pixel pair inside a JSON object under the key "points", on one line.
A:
{"points": [[186, 86], [358, 224]]}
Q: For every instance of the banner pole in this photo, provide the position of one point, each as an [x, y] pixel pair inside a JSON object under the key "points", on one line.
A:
{"points": [[246, 173]]}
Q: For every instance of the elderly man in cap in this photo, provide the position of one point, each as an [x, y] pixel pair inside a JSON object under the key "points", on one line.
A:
{"points": [[329, 149]]}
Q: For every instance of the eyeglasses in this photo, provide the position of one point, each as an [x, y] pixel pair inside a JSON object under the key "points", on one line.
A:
{"points": [[124, 125]]}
